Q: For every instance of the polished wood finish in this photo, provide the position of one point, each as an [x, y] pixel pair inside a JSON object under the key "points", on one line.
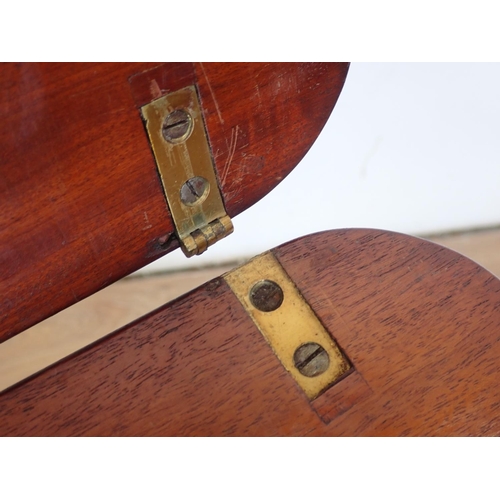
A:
{"points": [[419, 322], [81, 204], [120, 303]]}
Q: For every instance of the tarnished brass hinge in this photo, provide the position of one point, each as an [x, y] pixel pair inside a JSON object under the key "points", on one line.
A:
{"points": [[288, 323], [177, 134]]}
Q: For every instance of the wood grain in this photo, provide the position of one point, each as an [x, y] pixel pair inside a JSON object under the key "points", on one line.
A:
{"points": [[91, 319], [81, 204], [173, 383], [419, 322], [421, 325], [128, 299]]}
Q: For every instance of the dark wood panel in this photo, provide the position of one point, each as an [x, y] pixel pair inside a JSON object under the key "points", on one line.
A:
{"points": [[175, 372], [420, 323], [78, 190], [81, 204], [266, 118]]}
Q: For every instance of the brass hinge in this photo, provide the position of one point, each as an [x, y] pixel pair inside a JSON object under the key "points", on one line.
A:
{"points": [[179, 141], [287, 322]]}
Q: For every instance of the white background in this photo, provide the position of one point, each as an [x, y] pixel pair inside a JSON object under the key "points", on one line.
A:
{"points": [[266, 31], [412, 147]]}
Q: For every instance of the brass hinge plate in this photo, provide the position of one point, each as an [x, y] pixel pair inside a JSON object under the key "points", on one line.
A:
{"points": [[288, 323], [176, 131]]}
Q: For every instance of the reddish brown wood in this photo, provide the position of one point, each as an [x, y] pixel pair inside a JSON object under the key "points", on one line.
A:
{"points": [[346, 393], [419, 322], [81, 204]]}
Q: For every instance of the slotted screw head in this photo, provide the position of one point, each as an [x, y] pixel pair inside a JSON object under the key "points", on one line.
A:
{"points": [[311, 359], [266, 296], [194, 191], [177, 126]]}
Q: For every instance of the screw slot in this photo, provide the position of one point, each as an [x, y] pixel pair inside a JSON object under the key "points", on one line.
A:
{"points": [[194, 191], [266, 296], [311, 359], [177, 126]]}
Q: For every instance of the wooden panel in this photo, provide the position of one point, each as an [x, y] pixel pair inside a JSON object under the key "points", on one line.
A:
{"points": [[419, 322], [81, 204], [126, 300], [146, 381], [267, 117], [91, 319]]}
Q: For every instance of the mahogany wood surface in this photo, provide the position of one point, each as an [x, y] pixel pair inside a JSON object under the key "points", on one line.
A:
{"points": [[420, 324], [81, 204]]}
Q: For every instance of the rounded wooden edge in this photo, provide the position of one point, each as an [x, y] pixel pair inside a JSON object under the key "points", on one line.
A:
{"points": [[419, 322]]}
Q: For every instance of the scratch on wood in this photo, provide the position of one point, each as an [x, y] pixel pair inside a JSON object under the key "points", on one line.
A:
{"points": [[258, 94], [154, 88], [327, 299], [213, 95], [232, 149], [146, 220], [217, 153]]}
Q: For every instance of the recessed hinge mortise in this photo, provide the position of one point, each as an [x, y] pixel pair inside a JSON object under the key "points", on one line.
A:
{"points": [[289, 325], [179, 141]]}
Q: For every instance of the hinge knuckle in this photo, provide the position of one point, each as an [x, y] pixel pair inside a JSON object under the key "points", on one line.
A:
{"points": [[200, 239]]}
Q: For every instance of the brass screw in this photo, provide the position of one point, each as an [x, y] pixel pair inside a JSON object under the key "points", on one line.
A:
{"points": [[266, 296], [177, 126], [194, 190], [311, 359]]}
